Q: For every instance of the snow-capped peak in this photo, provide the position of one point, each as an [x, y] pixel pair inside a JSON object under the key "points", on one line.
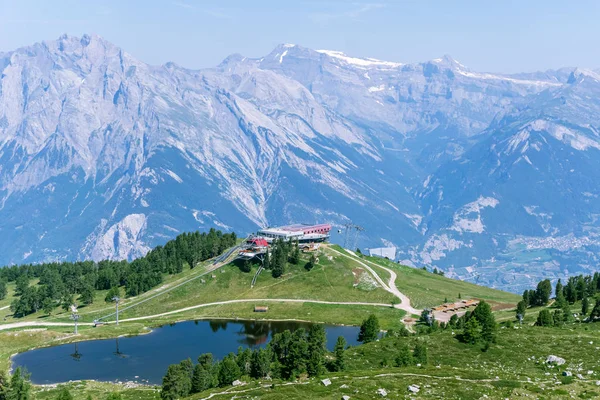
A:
{"points": [[579, 74], [360, 62]]}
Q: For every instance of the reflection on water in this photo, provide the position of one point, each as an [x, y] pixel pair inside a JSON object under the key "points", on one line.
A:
{"points": [[145, 358], [76, 355]]}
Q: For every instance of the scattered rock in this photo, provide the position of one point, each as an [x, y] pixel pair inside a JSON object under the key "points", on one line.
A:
{"points": [[344, 386], [555, 360], [237, 382], [414, 388], [579, 376], [326, 382], [382, 392]]}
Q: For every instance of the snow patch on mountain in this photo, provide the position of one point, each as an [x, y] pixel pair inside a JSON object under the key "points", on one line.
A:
{"points": [[360, 62], [574, 139], [437, 247], [468, 217]]}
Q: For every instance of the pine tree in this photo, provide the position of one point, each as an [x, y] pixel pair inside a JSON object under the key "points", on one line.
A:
{"points": [[260, 364], [420, 353], [340, 358], [4, 385], [229, 370], [558, 291], [64, 394], [311, 262], [472, 331], [545, 318], [369, 330], [526, 298], [177, 382], [521, 309], [542, 292], [453, 320], [566, 312], [87, 294], [20, 387], [571, 291], [595, 314], [112, 293], [295, 255], [404, 358], [296, 360], [316, 350], [202, 379], [243, 360], [485, 317], [246, 266], [585, 305]]}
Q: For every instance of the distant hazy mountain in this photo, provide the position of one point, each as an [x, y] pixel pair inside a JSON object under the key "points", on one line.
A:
{"points": [[490, 177]]}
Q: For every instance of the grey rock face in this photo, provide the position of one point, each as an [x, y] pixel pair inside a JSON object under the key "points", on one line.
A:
{"points": [[489, 177]]}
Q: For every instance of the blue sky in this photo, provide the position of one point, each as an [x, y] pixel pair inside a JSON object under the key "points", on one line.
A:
{"points": [[497, 36]]}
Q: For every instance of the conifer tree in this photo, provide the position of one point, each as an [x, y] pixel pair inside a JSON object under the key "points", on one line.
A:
{"points": [[404, 358], [369, 330], [521, 309], [420, 353], [585, 305], [340, 357]]}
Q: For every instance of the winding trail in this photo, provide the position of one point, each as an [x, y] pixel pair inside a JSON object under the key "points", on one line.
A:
{"points": [[218, 303], [235, 391], [26, 324], [390, 286]]}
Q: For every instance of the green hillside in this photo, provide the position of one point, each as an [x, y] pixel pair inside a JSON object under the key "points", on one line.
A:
{"points": [[426, 289]]}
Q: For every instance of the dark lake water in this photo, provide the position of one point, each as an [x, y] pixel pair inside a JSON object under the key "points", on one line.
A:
{"points": [[145, 358]]}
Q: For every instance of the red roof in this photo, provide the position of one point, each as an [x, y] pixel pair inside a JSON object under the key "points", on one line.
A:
{"points": [[260, 242]]}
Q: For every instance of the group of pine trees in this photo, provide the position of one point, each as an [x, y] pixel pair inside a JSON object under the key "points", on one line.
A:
{"points": [[478, 326], [406, 358], [287, 356], [65, 283], [578, 288], [280, 254]]}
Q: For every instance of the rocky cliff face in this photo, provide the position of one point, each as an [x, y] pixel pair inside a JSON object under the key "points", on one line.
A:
{"points": [[102, 155]]}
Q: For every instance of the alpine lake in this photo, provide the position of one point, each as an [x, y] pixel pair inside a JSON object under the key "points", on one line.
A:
{"points": [[145, 358]]}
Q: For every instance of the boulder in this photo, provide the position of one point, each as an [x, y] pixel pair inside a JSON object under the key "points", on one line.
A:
{"points": [[567, 373], [237, 382], [555, 360], [326, 382], [382, 392], [414, 388], [345, 397]]}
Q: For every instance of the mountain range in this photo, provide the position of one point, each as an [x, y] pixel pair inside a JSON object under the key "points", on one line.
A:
{"points": [[490, 177]]}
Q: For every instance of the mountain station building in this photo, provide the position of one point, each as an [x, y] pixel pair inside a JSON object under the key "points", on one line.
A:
{"points": [[300, 232]]}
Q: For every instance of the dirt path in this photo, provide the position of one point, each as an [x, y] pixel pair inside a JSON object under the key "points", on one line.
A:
{"points": [[218, 303], [235, 391], [390, 286], [26, 324]]}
